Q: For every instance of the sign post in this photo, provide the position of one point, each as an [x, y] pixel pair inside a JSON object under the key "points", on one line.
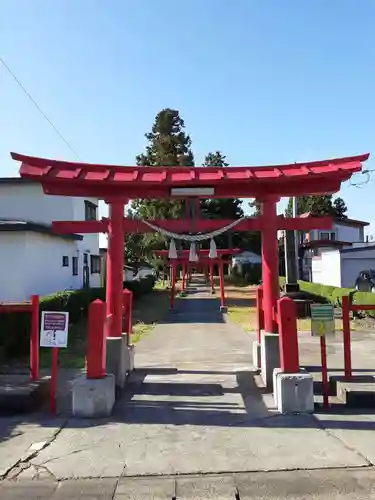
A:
{"points": [[54, 334], [323, 325]]}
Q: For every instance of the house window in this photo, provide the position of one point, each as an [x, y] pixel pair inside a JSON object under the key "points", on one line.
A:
{"points": [[95, 264], [75, 266], [329, 235], [65, 261], [90, 210]]}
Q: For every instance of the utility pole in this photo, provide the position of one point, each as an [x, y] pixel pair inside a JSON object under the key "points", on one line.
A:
{"points": [[291, 255]]}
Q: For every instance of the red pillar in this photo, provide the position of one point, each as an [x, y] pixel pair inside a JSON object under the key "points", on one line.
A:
{"points": [[173, 283], [212, 277], [183, 277], [115, 268], [270, 263], [288, 338], [96, 345], [221, 279], [34, 338]]}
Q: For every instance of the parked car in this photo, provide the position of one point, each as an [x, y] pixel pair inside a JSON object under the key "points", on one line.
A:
{"points": [[144, 271], [366, 281], [129, 273]]}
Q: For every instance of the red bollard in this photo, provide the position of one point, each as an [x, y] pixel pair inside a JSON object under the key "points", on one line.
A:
{"points": [[346, 337], [325, 387], [96, 341], [288, 338], [183, 277], [260, 315], [173, 285], [34, 338]]}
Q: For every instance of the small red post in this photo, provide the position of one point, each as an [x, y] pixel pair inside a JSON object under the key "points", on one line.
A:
{"points": [[96, 342], [34, 338], [183, 277], [260, 315], [346, 337], [325, 389], [173, 284], [53, 381], [288, 337], [212, 278], [221, 279], [127, 303]]}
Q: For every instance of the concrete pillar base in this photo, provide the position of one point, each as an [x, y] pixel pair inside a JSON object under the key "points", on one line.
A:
{"points": [[93, 398], [120, 358], [294, 392], [270, 357], [256, 355]]}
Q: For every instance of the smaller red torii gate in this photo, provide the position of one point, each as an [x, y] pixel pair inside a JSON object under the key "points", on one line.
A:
{"points": [[203, 261]]}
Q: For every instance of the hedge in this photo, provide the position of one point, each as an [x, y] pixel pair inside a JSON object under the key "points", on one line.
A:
{"points": [[334, 294], [15, 327]]}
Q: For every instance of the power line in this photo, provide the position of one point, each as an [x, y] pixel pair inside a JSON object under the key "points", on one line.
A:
{"points": [[38, 107]]}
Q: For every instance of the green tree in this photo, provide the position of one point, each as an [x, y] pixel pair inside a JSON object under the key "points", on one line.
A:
{"points": [[168, 145], [318, 206], [229, 209]]}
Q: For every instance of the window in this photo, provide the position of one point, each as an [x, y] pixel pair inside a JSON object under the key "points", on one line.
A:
{"points": [[75, 266], [90, 210], [327, 236], [65, 261], [95, 264]]}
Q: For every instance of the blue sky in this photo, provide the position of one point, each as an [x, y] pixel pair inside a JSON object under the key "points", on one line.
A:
{"points": [[263, 81]]}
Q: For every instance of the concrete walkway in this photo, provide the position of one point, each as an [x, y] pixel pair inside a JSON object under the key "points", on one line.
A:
{"points": [[196, 406]]}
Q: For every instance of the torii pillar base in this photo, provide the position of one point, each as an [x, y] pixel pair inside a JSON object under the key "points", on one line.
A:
{"points": [[119, 359], [270, 357]]}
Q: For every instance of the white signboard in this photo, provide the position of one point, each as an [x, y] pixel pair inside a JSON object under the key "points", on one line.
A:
{"points": [[54, 329]]}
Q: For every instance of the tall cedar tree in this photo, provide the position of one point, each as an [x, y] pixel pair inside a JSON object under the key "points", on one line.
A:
{"points": [[229, 208], [318, 206], [168, 145]]}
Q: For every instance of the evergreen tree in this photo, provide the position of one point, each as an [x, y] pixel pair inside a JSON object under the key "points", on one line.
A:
{"points": [[168, 145], [318, 206]]}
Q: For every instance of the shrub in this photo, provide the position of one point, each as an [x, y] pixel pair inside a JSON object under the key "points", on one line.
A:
{"points": [[15, 327]]}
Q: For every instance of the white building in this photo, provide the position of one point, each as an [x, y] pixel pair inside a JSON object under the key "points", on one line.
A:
{"points": [[34, 260], [345, 234], [341, 267]]}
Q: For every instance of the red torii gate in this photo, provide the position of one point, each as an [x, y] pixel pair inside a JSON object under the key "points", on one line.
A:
{"points": [[117, 184], [203, 261]]}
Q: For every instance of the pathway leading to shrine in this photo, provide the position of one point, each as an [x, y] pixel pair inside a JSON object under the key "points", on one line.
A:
{"points": [[194, 406]]}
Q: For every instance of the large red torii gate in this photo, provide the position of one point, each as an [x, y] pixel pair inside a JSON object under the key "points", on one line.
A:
{"points": [[116, 185]]}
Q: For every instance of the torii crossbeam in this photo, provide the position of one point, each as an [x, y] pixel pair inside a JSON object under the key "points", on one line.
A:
{"points": [[116, 185]]}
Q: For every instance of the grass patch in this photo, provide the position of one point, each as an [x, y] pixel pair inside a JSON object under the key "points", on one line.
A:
{"points": [[247, 318], [148, 311]]}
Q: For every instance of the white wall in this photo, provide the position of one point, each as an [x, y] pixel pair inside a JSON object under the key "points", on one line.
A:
{"points": [[352, 263], [348, 233], [343, 232], [26, 201], [326, 269], [32, 263]]}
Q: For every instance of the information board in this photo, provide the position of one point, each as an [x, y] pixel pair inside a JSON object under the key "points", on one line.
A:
{"points": [[322, 320], [54, 329]]}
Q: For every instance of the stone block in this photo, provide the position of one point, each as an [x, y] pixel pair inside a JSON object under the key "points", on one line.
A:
{"points": [[93, 398], [294, 392], [270, 357], [256, 355]]}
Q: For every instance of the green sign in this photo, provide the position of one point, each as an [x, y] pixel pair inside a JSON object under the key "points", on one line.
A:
{"points": [[322, 319]]}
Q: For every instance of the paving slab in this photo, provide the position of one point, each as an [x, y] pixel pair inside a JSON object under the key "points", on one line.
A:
{"points": [[195, 405], [19, 434]]}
